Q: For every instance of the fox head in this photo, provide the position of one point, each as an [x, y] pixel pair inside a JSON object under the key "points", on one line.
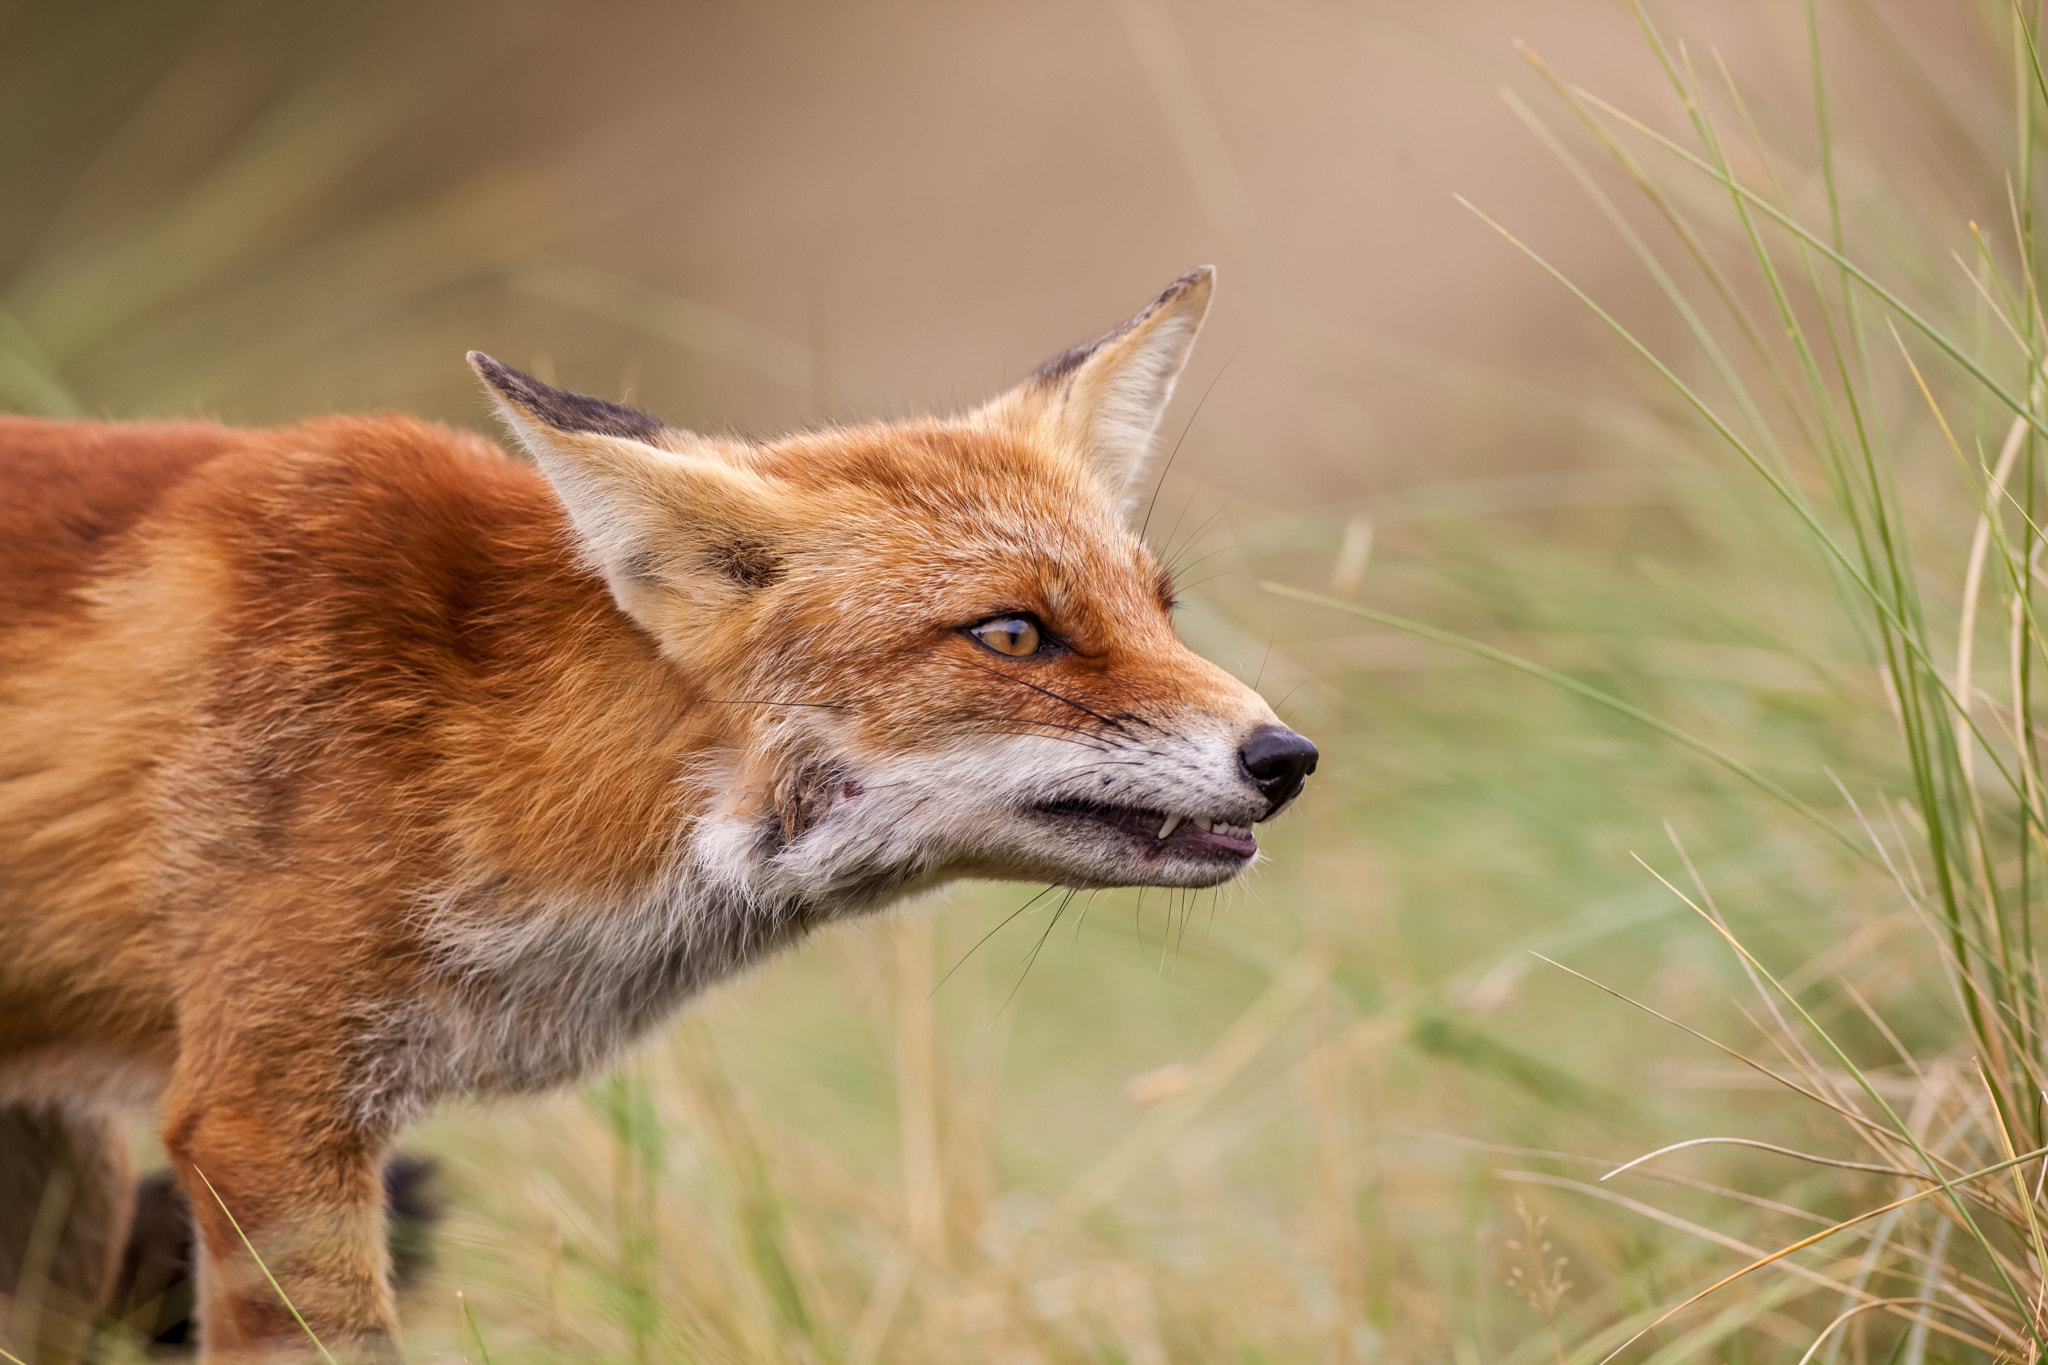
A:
{"points": [[930, 649]]}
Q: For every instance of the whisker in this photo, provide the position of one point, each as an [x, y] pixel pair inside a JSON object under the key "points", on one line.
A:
{"points": [[1039, 946], [1037, 897], [1166, 939], [1082, 918], [750, 701], [1056, 725], [1179, 569], [1116, 722], [1043, 691], [1174, 530], [1021, 728], [1173, 562], [1089, 735], [1167, 468]]}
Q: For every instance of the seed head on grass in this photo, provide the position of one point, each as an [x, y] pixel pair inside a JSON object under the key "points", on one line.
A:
{"points": [[1537, 1277]]}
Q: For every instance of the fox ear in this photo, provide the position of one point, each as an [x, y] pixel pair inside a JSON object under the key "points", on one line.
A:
{"points": [[1105, 397], [680, 535]]}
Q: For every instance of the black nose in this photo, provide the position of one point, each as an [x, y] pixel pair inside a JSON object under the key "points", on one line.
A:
{"points": [[1276, 760]]}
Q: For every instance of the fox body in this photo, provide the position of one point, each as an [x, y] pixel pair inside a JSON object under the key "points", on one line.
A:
{"points": [[349, 766]]}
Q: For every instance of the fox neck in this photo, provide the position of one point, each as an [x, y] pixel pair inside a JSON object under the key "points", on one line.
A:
{"points": [[648, 859], [541, 988]]}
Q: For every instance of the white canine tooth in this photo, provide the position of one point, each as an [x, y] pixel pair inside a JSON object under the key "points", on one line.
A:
{"points": [[1172, 823], [1203, 821]]}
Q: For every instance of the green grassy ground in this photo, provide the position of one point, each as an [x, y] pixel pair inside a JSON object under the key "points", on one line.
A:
{"points": [[1359, 1107]]}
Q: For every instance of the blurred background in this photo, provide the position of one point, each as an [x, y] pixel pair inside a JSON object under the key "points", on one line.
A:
{"points": [[1314, 1117]]}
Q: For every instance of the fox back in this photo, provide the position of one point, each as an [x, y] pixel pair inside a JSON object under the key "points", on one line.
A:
{"points": [[349, 766]]}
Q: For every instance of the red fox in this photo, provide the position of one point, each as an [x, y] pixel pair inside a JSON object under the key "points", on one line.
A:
{"points": [[352, 765]]}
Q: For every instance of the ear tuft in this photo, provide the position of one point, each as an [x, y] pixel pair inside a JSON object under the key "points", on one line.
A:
{"points": [[560, 409], [1103, 399]]}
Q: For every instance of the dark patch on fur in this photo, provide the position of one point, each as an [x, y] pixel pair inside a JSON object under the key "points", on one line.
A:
{"points": [[153, 1294], [75, 494], [802, 797], [1062, 366], [562, 409], [747, 563], [643, 566]]}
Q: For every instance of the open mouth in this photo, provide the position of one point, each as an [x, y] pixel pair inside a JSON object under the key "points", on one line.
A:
{"points": [[1159, 833]]}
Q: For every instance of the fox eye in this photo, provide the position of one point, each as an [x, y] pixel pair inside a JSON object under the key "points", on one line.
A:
{"points": [[1016, 636]]}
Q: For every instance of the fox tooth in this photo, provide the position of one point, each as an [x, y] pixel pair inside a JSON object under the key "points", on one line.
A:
{"points": [[1203, 821], [1172, 823]]}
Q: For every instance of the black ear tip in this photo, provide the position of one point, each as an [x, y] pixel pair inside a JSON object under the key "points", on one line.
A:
{"points": [[514, 386], [494, 372], [1202, 277], [561, 409]]}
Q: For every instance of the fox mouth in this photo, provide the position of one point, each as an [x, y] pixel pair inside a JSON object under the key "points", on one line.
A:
{"points": [[1159, 834]]}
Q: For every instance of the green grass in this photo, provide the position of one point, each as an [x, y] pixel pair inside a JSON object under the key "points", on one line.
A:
{"points": [[1650, 812]]}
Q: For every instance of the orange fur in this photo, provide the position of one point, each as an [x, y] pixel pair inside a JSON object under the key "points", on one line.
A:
{"points": [[347, 766]]}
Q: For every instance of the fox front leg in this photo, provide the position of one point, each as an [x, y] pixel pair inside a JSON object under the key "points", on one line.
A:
{"points": [[270, 1162]]}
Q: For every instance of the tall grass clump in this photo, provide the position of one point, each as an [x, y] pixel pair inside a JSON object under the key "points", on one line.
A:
{"points": [[1874, 369]]}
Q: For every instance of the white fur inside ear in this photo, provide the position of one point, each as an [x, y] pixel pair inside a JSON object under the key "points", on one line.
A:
{"points": [[609, 489], [680, 539], [1132, 399]]}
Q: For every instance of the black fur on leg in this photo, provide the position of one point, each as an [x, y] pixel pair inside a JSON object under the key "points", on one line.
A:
{"points": [[152, 1298]]}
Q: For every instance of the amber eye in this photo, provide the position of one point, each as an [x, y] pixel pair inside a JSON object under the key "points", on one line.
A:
{"points": [[1016, 636]]}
